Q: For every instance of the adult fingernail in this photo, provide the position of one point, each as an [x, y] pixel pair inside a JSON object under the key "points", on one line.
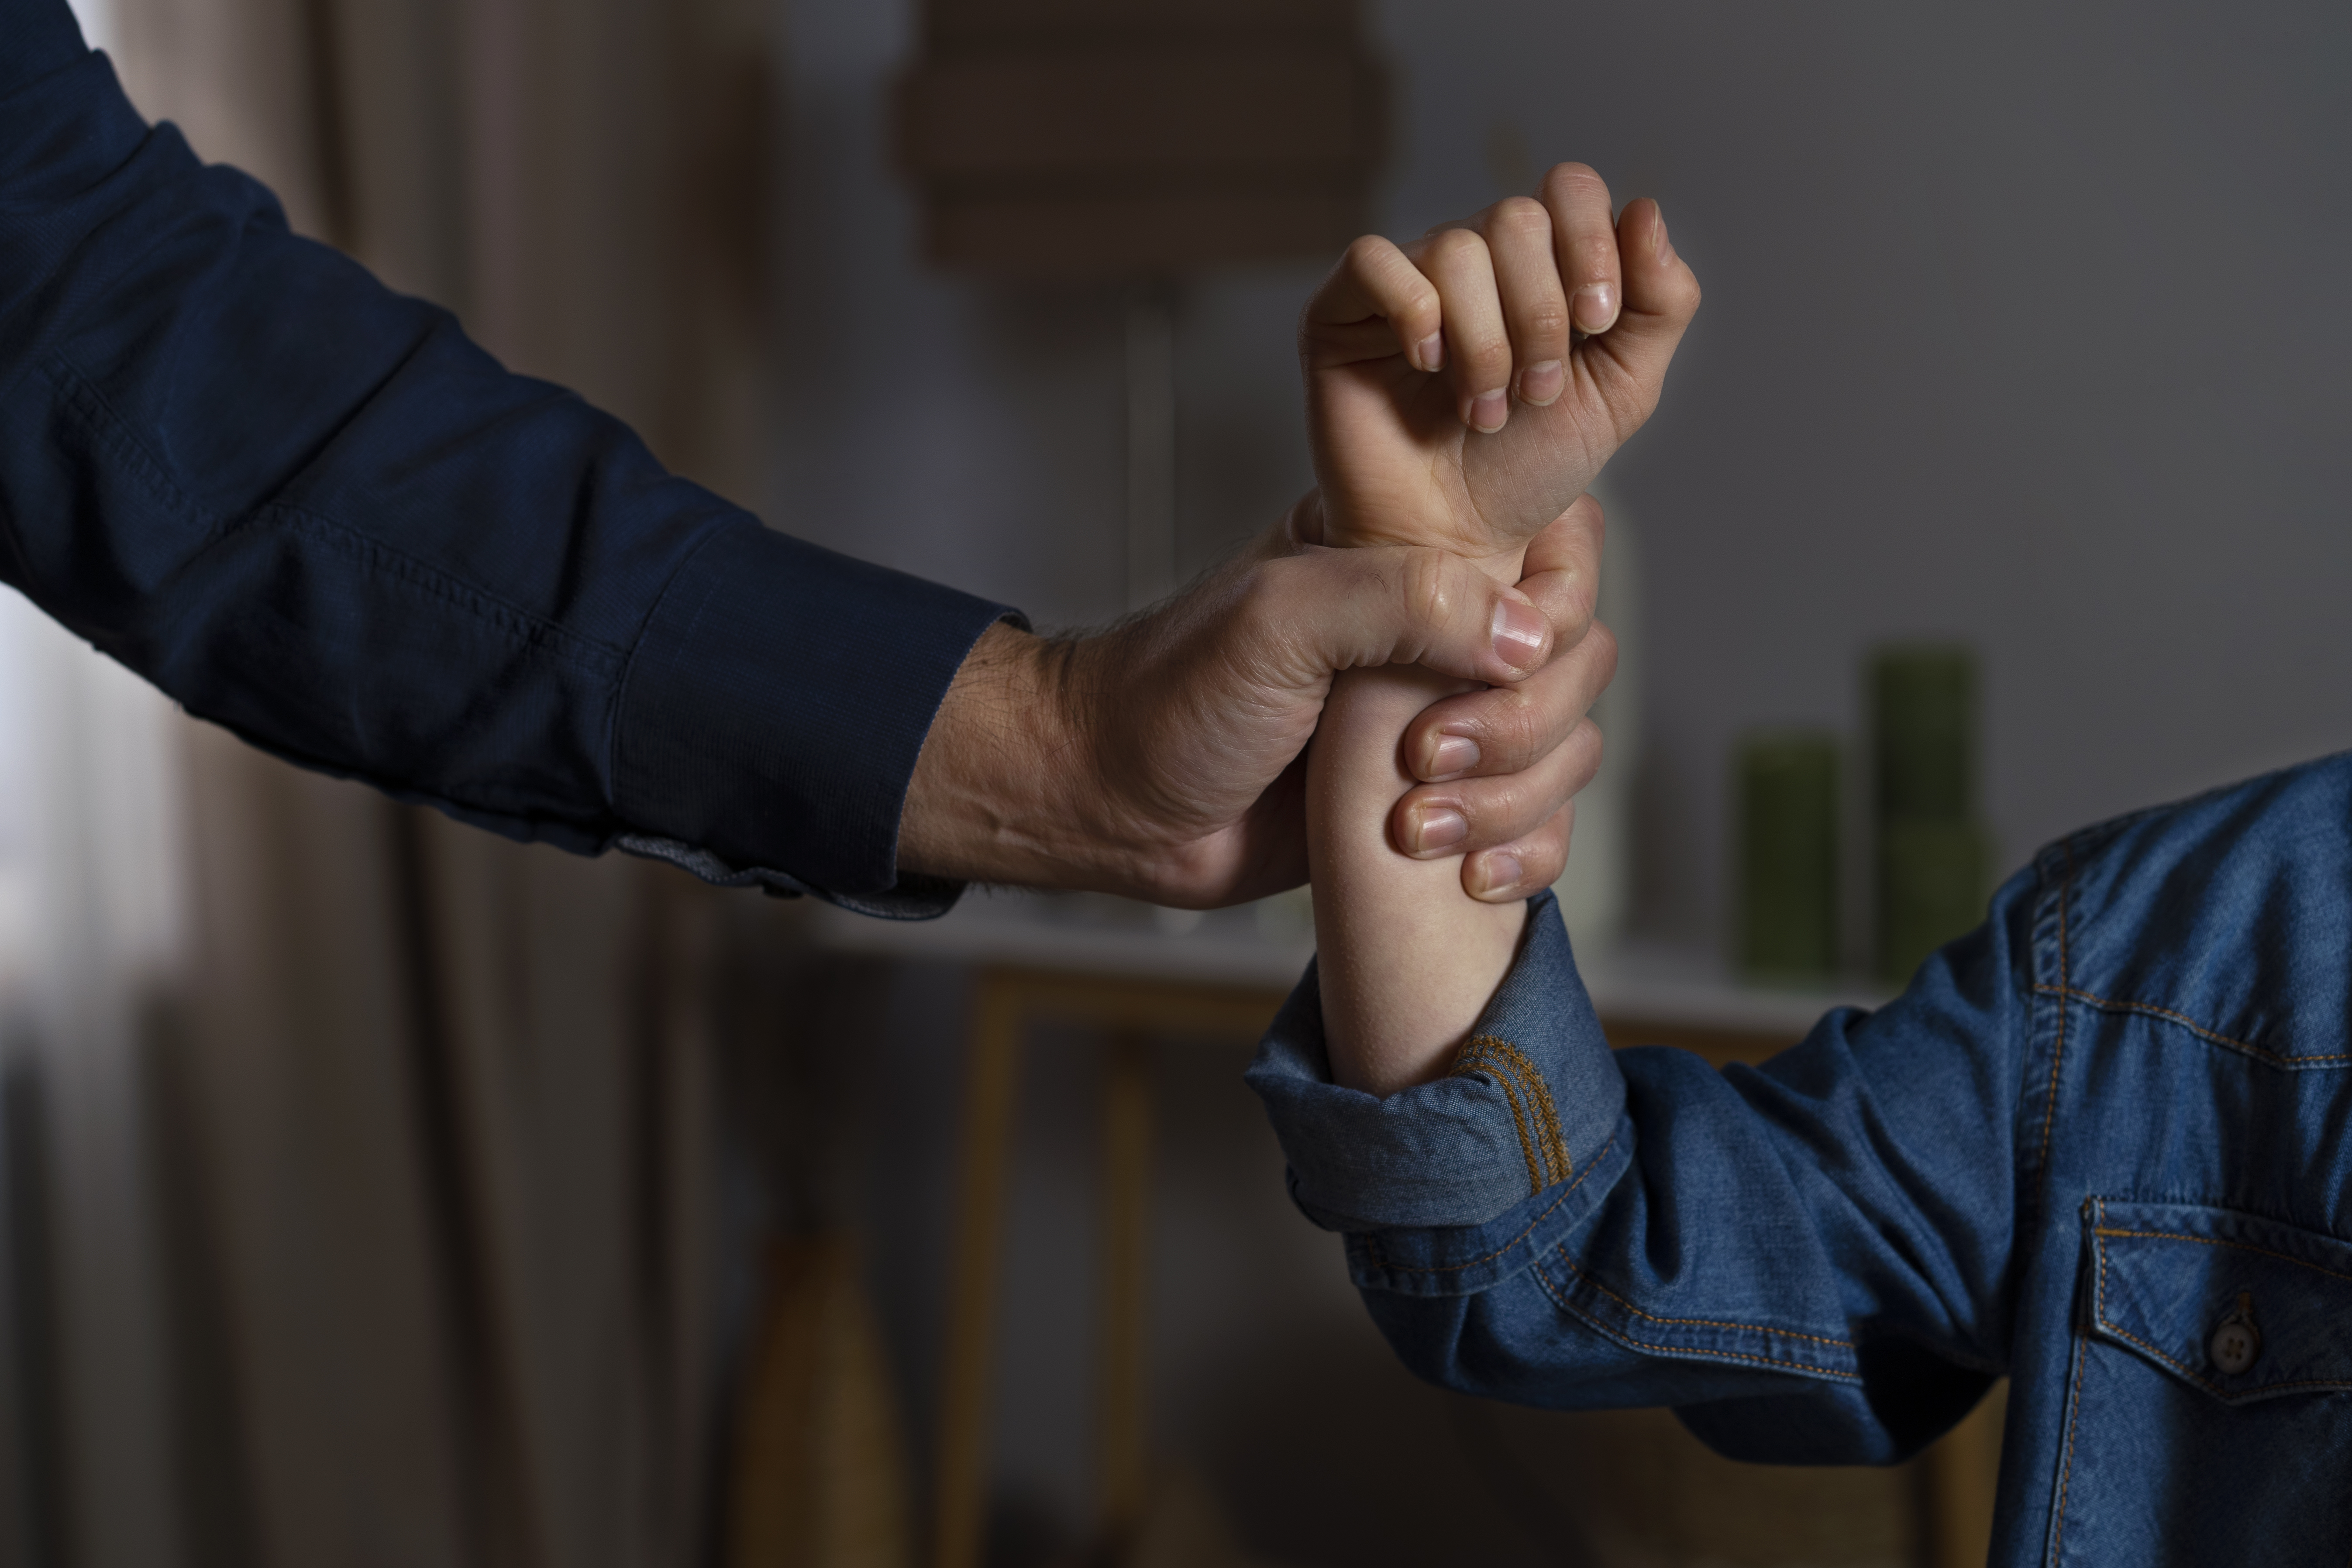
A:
{"points": [[1658, 246], [1496, 875], [1489, 410], [1431, 351], [1518, 632], [1596, 307], [1541, 383], [1453, 754], [1437, 827]]}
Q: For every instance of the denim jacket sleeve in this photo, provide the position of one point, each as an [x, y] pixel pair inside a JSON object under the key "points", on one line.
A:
{"points": [[1810, 1260], [313, 512]]}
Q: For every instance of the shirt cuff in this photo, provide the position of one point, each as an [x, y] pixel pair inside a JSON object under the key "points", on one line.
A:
{"points": [[1533, 1105], [772, 713]]}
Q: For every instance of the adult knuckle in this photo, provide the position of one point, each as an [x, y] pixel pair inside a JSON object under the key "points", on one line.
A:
{"points": [[1270, 588], [1545, 851], [1587, 746], [1604, 650], [1516, 726], [1568, 606], [1425, 589]]}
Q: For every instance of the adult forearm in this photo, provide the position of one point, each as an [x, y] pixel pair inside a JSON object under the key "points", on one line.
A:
{"points": [[311, 512], [991, 798]]}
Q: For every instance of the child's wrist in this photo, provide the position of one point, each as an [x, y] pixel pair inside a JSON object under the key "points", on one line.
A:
{"points": [[1313, 522]]}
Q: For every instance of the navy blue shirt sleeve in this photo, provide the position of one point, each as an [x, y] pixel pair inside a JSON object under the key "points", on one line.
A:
{"points": [[1812, 1260], [310, 510]]}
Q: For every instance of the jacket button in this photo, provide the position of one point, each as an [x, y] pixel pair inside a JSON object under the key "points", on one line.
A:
{"points": [[2236, 1342]]}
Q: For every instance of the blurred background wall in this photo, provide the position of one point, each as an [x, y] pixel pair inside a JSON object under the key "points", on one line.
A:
{"points": [[2020, 328]]}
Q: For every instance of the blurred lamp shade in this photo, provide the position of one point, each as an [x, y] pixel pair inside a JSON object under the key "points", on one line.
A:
{"points": [[1139, 140]]}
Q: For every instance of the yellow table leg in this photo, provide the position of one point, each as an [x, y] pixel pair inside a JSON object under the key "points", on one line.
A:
{"points": [[1126, 1283], [960, 1501]]}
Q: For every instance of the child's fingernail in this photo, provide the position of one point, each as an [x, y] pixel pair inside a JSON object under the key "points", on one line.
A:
{"points": [[1489, 410], [1453, 754], [1497, 875], [1596, 307], [1541, 384], [1431, 351], [1518, 632], [1437, 827]]}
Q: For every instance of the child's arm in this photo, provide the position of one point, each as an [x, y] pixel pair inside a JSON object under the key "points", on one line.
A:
{"points": [[1405, 958], [1416, 358]]}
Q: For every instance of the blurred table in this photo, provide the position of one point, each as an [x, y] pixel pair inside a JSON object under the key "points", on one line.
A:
{"points": [[1133, 973], [1644, 994]]}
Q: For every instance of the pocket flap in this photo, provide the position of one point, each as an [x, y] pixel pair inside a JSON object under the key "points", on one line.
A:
{"points": [[2244, 1308]]}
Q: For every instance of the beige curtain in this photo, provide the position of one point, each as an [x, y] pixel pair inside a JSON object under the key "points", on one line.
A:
{"points": [[432, 1111]]}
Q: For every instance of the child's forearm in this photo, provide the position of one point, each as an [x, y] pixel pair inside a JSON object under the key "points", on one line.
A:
{"points": [[1406, 959]]}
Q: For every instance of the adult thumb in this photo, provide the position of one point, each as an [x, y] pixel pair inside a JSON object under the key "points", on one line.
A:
{"points": [[1353, 609]]}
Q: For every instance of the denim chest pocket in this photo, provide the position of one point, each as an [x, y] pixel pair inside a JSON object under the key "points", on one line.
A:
{"points": [[2211, 1415]]}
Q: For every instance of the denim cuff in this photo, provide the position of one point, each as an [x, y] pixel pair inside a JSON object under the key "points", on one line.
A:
{"points": [[1533, 1105]]}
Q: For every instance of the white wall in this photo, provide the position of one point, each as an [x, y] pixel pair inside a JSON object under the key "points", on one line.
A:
{"points": [[2023, 324]]}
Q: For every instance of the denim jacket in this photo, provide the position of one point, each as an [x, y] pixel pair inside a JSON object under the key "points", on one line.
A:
{"points": [[2098, 1146]]}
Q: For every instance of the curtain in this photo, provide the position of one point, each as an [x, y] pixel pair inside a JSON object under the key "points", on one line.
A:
{"points": [[398, 1240]]}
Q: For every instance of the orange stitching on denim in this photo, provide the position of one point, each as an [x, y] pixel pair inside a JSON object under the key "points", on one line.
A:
{"points": [[1476, 1061], [1546, 1150], [2058, 1053], [1536, 1171], [1708, 1355], [1481, 1057], [1374, 1247], [1470, 1062], [1551, 1290], [1555, 1146], [2099, 1296], [2099, 1306], [2215, 1388], [1700, 1323], [2219, 1241], [2066, 1474], [2150, 1009]]}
